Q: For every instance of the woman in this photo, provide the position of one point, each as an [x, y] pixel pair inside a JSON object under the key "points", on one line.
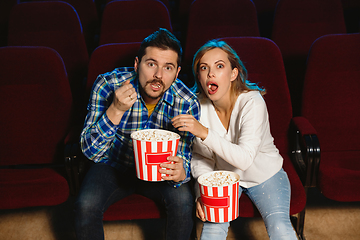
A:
{"points": [[234, 135]]}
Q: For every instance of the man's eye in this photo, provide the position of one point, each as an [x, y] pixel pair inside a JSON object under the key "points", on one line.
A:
{"points": [[169, 68], [220, 66], [151, 64]]}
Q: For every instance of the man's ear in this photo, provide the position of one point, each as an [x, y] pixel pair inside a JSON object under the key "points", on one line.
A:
{"points": [[136, 64], [178, 71]]}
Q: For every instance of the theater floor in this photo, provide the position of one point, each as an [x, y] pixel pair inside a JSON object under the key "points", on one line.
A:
{"points": [[325, 219]]}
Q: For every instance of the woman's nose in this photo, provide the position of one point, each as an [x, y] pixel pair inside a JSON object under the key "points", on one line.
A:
{"points": [[211, 73]]}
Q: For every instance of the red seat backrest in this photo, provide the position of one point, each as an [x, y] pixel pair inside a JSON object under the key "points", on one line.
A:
{"points": [[107, 57], [331, 89], [132, 21], [262, 59], [297, 24], [36, 105], [209, 19], [53, 24]]}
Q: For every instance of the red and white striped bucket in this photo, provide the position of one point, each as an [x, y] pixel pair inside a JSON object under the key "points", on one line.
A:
{"points": [[150, 151], [221, 203]]}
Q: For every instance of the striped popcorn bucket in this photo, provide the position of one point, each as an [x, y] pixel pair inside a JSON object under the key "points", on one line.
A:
{"points": [[152, 147], [221, 203]]}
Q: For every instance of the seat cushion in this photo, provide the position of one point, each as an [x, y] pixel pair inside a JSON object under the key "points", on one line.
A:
{"points": [[22, 188], [339, 175], [133, 207]]}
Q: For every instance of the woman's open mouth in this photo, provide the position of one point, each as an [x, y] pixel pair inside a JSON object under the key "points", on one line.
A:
{"points": [[212, 87]]}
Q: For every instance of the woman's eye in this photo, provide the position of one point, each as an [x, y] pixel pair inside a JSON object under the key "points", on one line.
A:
{"points": [[220, 66], [202, 68]]}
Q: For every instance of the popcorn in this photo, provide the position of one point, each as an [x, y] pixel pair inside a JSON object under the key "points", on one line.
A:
{"points": [[218, 178], [154, 135]]}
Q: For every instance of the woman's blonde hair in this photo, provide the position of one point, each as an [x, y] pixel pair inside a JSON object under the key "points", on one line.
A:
{"points": [[241, 84]]}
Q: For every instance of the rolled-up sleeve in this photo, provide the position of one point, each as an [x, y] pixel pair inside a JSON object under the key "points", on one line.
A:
{"points": [[98, 132]]}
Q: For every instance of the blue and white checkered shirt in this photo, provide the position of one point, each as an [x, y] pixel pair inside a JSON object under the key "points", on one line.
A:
{"points": [[102, 141]]}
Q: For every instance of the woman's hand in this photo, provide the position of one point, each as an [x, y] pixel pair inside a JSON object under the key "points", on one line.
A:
{"points": [[187, 122], [199, 210]]}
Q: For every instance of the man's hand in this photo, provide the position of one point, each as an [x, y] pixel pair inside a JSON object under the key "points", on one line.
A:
{"points": [[174, 168], [124, 97]]}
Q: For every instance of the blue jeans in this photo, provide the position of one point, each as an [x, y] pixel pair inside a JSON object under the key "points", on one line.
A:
{"points": [[272, 198], [104, 185]]}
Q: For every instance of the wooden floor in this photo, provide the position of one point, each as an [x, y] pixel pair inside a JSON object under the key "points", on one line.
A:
{"points": [[325, 219]]}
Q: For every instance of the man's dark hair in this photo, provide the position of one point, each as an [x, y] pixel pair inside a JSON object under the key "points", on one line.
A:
{"points": [[162, 39]]}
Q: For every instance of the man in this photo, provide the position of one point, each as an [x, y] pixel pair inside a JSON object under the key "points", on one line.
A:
{"points": [[147, 96]]}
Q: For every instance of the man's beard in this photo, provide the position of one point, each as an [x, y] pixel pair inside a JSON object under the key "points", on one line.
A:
{"points": [[154, 81]]}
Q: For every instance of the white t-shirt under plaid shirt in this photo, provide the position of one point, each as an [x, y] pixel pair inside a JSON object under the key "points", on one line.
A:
{"points": [[102, 141]]}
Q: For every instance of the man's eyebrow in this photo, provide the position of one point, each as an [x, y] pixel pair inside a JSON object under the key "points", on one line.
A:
{"points": [[153, 60], [150, 59], [172, 64]]}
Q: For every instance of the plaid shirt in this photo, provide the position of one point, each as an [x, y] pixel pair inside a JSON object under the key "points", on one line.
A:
{"points": [[102, 141]]}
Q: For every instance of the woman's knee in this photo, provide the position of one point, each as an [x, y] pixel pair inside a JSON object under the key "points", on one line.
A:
{"points": [[279, 227], [212, 231]]}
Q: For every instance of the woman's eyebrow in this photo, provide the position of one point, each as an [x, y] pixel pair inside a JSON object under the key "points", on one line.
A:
{"points": [[220, 61], [215, 62]]}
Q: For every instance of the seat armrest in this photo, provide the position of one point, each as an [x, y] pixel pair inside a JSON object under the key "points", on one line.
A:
{"points": [[69, 165], [305, 151], [77, 166], [71, 158], [304, 126]]}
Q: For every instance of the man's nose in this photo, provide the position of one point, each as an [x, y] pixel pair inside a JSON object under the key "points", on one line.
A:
{"points": [[158, 73]]}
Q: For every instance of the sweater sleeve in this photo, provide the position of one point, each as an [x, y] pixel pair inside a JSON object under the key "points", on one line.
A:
{"points": [[199, 166]]}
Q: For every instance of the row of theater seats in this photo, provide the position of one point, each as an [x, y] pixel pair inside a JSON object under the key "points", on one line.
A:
{"points": [[75, 28], [265, 59], [320, 148], [91, 13]]}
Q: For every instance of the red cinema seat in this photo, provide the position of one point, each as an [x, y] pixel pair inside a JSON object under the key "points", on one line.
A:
{"points": [[36, 105], [330, 104]]}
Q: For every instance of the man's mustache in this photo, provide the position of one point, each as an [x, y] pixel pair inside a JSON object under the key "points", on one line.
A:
{"points": [[154, 81]]}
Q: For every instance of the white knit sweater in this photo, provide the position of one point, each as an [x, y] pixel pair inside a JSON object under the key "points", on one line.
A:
{"points": [[247, 148]]}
